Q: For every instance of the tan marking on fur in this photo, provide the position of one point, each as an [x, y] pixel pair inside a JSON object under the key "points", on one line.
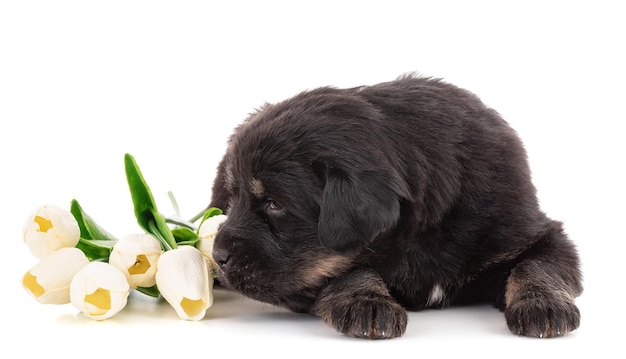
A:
{"points": [[257, 188], [512, 288], [321, 268], [555, 286], [547, 294]]}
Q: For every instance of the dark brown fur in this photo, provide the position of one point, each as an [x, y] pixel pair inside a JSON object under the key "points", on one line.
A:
{"points": [[358, 204]]}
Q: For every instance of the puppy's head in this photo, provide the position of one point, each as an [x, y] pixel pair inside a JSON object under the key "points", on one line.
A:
{"points": [[306, 184]]}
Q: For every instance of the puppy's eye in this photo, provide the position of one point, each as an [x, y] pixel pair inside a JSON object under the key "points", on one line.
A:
{"points": [[272, 206]]}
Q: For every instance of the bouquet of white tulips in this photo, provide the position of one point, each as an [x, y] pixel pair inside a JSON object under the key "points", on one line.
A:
{"points": [[83, 264]]}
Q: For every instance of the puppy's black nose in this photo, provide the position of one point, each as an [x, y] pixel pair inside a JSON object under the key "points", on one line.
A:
{"points": [[221, 256]]}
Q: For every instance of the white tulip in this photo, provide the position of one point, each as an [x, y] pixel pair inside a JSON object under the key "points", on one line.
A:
{"points": [[49, 280], [99, 290], [50, 228], [136, 256], [184, 281], [206, 236]]}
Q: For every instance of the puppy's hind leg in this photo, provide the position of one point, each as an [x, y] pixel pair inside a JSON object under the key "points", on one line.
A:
{"points": [[359, 305], [541, 289]]}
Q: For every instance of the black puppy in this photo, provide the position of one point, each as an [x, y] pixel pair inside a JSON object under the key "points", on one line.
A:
{"points": [[358, 204]]}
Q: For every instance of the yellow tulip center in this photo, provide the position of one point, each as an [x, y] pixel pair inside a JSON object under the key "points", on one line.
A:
{"points": [[192, 307], [141, 266], [44, 224], [30, 283], [101, 299]]}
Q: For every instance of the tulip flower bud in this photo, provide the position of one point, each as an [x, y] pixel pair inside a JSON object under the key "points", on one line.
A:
{"points": [[99, 290], [50, 228], [183, 280], [49, 280], [206, 236], [137, 256]]}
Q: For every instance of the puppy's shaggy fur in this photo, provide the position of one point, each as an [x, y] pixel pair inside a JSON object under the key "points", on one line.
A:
{"points": [[358, 204]]}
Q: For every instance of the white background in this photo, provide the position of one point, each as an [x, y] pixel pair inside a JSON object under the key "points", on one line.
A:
{"points": [[82, 83]]}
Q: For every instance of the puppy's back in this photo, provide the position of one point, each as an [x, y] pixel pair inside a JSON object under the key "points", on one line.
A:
{"points": [[457, 152]]}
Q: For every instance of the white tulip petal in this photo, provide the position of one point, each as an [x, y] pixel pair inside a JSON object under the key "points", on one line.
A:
{"points": [[64, 225], [206, 236], [49, 280], [137, 256], [99, 290], [50, 228], [42, 244], [184, 281], [211, 225]]}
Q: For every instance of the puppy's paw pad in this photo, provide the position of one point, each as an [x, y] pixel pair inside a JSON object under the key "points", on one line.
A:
{"points": [[542, 318], [372, 319]]}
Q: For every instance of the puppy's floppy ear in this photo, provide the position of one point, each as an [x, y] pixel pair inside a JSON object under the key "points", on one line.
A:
{"points": [[356, 204], [221, 185]]}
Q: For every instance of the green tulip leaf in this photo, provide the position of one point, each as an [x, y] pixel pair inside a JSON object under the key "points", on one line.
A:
{"points": [[154, 223], [89, 229], [185, 236], [151, 291], [94, 241], [213, 211], [96, 250], [145, 208]]}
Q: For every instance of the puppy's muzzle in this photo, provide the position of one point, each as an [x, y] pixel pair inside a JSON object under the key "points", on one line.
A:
{"points": [[221, 256]]}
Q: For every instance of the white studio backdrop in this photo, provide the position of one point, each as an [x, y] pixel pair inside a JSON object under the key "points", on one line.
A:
{"points": [[83, 82]]}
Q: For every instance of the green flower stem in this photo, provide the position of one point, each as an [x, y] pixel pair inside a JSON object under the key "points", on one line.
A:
{"points": [[174, 203], [180, 222], [198, 216]]}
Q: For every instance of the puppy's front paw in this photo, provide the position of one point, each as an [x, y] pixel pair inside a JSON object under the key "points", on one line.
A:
{"points": [[376, 318], [541, 317], [359, 305]]}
